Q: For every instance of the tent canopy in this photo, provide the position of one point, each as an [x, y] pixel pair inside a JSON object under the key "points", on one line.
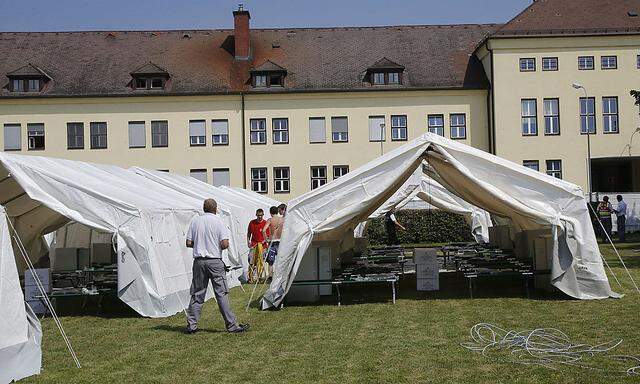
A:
{"points": [[529, 199]]}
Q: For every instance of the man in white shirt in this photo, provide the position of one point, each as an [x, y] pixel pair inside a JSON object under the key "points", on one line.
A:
{"points": [[621, 216], [209, 236]]}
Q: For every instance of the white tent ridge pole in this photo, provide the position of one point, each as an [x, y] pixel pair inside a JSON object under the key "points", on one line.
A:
{"points": [[615, 249], [23, 252]]}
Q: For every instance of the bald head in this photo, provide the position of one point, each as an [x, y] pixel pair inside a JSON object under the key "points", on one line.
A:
{"points": [[210, 206]]}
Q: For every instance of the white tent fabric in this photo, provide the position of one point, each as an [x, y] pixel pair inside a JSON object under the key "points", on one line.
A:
{"points": [[530, 199], [422, 187], [237, 207], [20, 332], [149, 221]]}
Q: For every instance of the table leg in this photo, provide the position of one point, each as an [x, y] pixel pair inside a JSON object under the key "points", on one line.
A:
{"points": [[470, 288], [393, 290], [526, 287], [338, 290]]}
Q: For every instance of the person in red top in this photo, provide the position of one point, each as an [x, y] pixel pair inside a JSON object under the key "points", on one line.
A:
{"points": [[257, 244]]}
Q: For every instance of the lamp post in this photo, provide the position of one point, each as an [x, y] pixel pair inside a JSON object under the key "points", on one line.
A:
{"points": [[382, 125], [586, 101]]}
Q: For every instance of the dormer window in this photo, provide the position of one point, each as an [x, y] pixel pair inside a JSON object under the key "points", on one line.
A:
{"points": [[268, 74], [149, 76], [27, 79], [384, 72]]}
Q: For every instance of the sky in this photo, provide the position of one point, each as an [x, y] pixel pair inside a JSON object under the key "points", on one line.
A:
{"points": [[78, 15]]}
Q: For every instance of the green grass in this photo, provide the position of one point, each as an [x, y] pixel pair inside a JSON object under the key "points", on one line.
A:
{"points": [[369, 340]]}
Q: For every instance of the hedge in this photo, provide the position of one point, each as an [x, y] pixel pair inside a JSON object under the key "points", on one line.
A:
{"points": [[423, 226]]}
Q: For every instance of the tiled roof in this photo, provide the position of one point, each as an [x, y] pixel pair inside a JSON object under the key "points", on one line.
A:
{"points": [[268, 66], [150, 69], [575, 17], [27, 70], [385, 63], [316, 59]]}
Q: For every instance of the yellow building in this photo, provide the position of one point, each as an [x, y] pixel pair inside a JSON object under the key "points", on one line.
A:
{"points": [[281, 111]]}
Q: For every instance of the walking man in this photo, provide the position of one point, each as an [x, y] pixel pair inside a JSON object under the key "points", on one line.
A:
{"points": [[209, 236], [604, 215], [621, 216], [272, 231]]}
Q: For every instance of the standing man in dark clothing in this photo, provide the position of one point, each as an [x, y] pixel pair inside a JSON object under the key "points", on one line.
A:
{"points": [[390, 224], [604, 215], [621, 216]]}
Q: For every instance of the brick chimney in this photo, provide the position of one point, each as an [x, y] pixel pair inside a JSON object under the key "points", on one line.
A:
{"points": [[241, 34]]}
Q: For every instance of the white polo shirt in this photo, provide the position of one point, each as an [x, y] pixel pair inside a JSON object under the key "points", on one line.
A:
{"points": [[207, 231]]}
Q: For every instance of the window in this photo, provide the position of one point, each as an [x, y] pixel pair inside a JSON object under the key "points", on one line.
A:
{"points": [[220, 130], [197, 133], [529, 117], [221, 177], [280, 131], [585, 63], [12, 137], [549, 63], [34, 85], [17, 85], [260, 80], [339, 129], [98, 132], [532, 164], [258, 129], [281, 179], [609, 62], [317, 130], [382, 78], [340, 170], [276, 80], [394, 78], [435, 124], [141, 83], [159, 133], [551, 116], [458, 123], [610, 114], [638, 61], [35, 136], [554, 168], [318, 176], [137, 134], [378, 78], [199, 174], [149, 82], [75, 135], [26, 85], [588, 115], [259, 180], [376, 128], [527, 64], [157, 83], [398, 127]]}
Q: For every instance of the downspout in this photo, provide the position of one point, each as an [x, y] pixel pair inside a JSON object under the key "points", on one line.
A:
{"points": [[244, 145], [492, 133]]}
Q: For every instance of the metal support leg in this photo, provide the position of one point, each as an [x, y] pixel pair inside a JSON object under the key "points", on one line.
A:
{"points": [[338, 290], [470, 287], [393, 290]]}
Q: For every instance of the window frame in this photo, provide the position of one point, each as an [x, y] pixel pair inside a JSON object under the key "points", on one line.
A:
{"points": [[200, 171], [281, 180], [429, 126], [609, 114], [336, 167], [144, 126], [553, 58], [213, 176], [532, 162], [595, 120], [75, 124], [222, 136], [458, 126], [25, 84], [324, 125], [534, 117], [204, 137], [155, 135], [321, 180], [4, 133], [556, 116], [553, 172], [259, 131], [524, 59], [259, 180], [593, 63], [92, 135], [36, 134], [400, 128], [346, 134], [605, 57], [284, 133], [381, 131]]}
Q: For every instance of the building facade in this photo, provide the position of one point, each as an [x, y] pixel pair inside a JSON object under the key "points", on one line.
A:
{"points": [[283, 111]]}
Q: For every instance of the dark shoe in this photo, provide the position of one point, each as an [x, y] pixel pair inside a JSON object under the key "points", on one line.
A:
{"points": [[191, 331], [242, 328]]}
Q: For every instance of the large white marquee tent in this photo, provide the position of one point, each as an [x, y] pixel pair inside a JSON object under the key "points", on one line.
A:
{"points": [[527, 198]]}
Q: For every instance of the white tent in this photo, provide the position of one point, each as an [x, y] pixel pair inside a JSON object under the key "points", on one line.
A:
{"points": [[20, 332], [423, 188], [148, 220], [529, 199], [238, 206]]}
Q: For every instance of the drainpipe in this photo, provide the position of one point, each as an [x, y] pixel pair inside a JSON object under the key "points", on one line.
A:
{"points": [[244, 146], [492, 133]]}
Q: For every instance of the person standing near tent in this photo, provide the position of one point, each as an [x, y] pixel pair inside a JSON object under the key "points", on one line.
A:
{"points": [[621, 216], [209, 236], [604, 215], [256, 243], [274, 228], [282, 209], [390, 223]]}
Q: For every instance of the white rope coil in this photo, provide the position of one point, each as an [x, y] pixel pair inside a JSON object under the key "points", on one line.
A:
{"points": [[548, 347]]}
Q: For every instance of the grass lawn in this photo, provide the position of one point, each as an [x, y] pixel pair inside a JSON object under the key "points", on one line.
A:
{"points": [[369, 340]]}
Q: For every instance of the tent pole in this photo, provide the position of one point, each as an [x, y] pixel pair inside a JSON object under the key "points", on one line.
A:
{"points": [[615, 249], [50, 307]]}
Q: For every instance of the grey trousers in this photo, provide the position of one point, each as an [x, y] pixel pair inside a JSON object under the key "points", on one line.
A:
{"points": [[203, 271]]}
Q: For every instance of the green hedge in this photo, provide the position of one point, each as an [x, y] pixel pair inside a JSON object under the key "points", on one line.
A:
{"points": [[423, 226]]}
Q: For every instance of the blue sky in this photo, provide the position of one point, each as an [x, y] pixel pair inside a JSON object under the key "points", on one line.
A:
{"points": [[72, 15]]}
